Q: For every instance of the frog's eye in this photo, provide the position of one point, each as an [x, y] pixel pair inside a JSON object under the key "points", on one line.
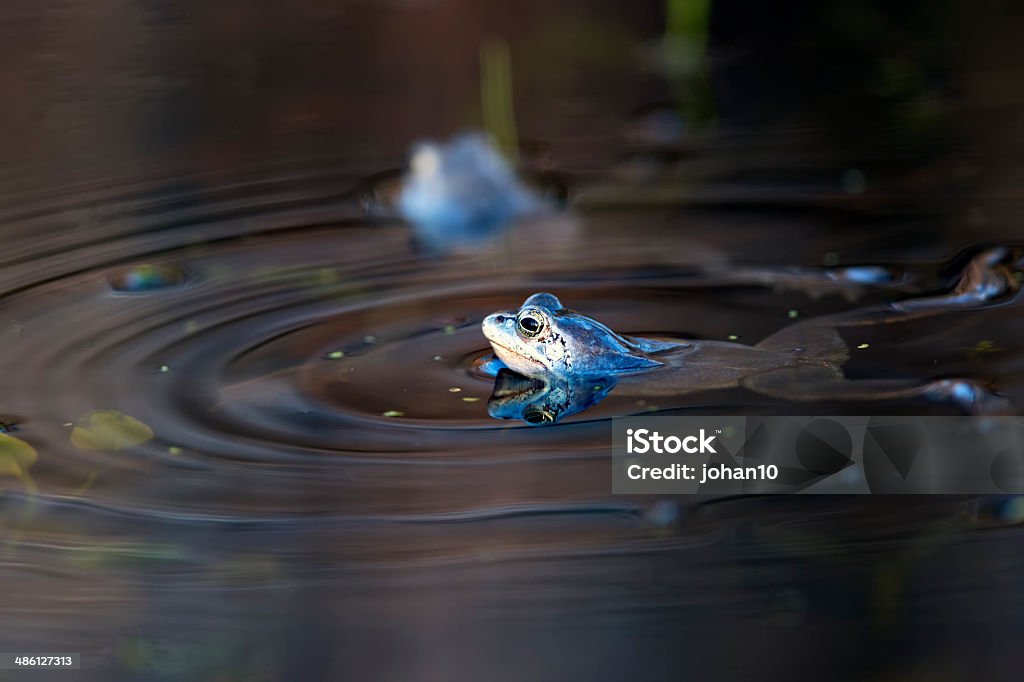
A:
{"points": [[530, 323], [538, 417]]}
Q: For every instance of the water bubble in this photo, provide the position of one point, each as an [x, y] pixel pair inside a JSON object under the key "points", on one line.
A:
{"points": [[147, 277]]}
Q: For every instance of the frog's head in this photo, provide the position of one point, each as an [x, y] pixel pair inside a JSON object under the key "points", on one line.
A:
{"points": [[544, 402], [543, 338]]}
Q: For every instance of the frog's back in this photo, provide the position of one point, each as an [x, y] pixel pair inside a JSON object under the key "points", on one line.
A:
{"points": [[703, 365]]}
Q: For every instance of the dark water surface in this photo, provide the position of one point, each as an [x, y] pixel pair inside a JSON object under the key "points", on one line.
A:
{"points": [[261, 443]]}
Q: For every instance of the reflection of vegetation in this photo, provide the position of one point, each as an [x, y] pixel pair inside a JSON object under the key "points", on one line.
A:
{"points": [[166, 658], [565, 49], [888, 572], [106, 556], [16, 458], [685, 59], [496, 96], [889, 64], [981, 348], [109, 431]]}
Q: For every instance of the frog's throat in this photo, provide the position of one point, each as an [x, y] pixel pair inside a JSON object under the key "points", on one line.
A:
{"points": [[516, 354]]}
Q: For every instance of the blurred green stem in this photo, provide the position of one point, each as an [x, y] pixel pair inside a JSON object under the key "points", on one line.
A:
{"points": [[496, 96], [687, 26]]}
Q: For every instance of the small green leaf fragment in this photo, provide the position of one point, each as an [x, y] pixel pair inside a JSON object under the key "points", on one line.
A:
{"points": [[109, 431], [16, 456]]}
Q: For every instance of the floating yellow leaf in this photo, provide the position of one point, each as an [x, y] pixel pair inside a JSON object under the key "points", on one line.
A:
{"points": [[16, 456], [109, 431]]}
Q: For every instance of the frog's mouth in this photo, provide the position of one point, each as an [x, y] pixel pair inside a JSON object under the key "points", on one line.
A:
{"points": [[514, 353]]}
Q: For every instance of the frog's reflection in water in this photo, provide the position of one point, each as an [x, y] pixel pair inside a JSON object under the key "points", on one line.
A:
{"points": [[541, 402]]}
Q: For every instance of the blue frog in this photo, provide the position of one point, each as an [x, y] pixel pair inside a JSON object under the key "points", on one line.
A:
{"points": [[462, 192], [547, 342]]}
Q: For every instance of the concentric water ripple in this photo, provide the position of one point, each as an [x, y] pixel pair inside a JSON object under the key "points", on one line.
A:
{"points": [[287, 367]]}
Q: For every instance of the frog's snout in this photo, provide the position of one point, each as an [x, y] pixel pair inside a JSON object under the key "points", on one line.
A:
{"points": [[497, 325]]}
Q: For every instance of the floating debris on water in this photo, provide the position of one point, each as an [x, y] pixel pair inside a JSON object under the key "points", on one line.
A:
{"points": [[109, 431], [449, 329], [16, 457], [394, 413], [454, 389], [336, 355], [981, 348], [147, 277], [733, 337], [793, 314], [369, 338], [863, 346], [862, 274], [471, 400]]}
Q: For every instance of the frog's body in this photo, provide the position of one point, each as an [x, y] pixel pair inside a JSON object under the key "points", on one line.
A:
{"points": [[545, 341], [462, 192]]}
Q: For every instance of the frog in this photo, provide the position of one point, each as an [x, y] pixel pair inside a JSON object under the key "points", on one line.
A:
{"points": [[462, 192], [547, 342]]}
